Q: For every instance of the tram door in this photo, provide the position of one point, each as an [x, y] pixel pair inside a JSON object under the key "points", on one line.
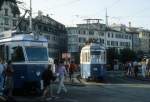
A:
{"points": [[4, 53]]}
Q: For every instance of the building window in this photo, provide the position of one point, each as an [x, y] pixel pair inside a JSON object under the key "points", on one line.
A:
{"points": [[40, 27], [45, 29], [6, 21], [103, 41], [102, 34], [112, 43], [14, 15], [82, 40], [72, 31], [112, 35], [108, 42], [6, 12], [6, 28], [121, 44], [54, 38], [108, 35], [116, 43], [84, 32], [91, 32], [117, 36], [14, 22], [78, 31]]}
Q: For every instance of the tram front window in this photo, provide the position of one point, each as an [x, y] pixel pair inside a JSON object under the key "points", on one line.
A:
{"points": [[17, 55], [36, 53]]}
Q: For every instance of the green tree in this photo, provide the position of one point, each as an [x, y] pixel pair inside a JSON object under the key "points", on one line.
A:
{"points": [[112, 55], [127, 55], [140, 54]]}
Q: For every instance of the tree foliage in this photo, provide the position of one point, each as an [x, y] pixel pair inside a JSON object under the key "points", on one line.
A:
{"points": [[112, 54], [123, 56], [127, 55]]}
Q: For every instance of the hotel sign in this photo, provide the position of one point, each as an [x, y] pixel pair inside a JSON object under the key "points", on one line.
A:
{"points": [[66, 55]]}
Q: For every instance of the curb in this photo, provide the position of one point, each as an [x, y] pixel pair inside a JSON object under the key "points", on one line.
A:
{"points": [[75, 84]]}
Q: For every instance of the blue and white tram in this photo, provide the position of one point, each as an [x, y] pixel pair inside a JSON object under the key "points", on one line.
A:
{"points": [[29, 56], [93, 61]]}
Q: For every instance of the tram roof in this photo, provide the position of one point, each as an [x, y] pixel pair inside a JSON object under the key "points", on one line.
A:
{"points": [[21, 36]]}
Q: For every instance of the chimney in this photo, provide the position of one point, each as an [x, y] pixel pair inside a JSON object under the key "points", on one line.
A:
{"points": [[47, 15], [129, 24], [40, 13]]}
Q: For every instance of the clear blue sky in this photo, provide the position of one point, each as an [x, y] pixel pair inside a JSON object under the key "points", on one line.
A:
{"points": [[70, 12]]}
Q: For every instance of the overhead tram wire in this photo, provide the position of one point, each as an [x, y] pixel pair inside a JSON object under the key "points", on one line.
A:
{"points": [[21, 5], [103, 10], [71, 2], [141, 11], [113, 4], [134, 16], [108, 7], [66, 4]]}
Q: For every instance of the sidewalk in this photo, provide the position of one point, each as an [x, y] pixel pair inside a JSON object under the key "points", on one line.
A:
{"points": [[140, 78], [121, 74]]}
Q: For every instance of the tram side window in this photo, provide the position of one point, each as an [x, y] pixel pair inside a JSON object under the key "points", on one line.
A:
{"points": [[84, 57], [2, 52], [103, 57], [88, 57], [17, 55]]}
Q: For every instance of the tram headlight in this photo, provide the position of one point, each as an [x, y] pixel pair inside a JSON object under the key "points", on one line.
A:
{"points": [[38, 73]]}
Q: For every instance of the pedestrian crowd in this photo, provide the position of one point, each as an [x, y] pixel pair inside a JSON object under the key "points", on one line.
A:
{"points": [[6, 79], [134, 68], [58, 71]]}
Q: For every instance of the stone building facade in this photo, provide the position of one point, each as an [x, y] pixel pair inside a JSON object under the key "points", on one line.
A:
{"points": [[54, 31], [9, 14]]}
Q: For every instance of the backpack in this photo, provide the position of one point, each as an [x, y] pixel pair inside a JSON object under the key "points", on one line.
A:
{"points": [[48, 75]]}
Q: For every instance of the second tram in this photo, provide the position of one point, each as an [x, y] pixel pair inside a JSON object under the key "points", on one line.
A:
{"points": [[93, 61]]}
